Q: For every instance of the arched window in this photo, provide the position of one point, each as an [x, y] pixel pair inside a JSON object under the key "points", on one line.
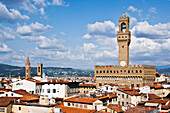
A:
{"points": [[123, 27]]}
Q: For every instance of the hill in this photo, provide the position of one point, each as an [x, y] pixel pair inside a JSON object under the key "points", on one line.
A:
{"points": [[15, 71]]}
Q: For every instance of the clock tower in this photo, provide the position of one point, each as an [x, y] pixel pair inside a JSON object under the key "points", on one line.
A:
{"points": [[123, 39]]}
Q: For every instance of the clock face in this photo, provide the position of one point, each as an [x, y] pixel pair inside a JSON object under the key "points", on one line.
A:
{"points": [[123, 63]]}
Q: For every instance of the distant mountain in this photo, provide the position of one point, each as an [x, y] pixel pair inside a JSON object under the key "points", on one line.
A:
{"points": [[165, 71], [163, 67], [15, 71]]}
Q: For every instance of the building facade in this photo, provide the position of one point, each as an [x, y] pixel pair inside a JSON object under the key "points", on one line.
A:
{"points": [[124, 74]]}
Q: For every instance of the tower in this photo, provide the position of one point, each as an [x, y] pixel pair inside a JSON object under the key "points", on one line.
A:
{"points": [[123, 39], [39, 69], [27, 68]]}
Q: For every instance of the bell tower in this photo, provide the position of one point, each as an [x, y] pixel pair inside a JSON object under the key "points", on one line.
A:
{"points": [[123, 39], [27, 68]]}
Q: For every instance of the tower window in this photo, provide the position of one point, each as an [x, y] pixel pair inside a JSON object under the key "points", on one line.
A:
{"points": [[136, 71], [120, 70], [100, 71], [122, 46], [104, 71], [140, 71], [125, 71], [119, 36], [114, 71], [128, 71], [122, 36], [96, 71], [107, 71], [110, 71], [125, 36], [123, 27]]}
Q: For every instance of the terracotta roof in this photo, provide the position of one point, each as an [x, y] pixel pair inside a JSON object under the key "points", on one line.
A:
{"points": [[5, 101], [81, 100], [138, 110], [110, 95], [128, 91], [65, 109], [164, 101], [28, 98], [116, 107], [151, 96], [87, 85]]}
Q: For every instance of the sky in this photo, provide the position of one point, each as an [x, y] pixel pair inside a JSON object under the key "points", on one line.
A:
{"points": [[82, 33]]}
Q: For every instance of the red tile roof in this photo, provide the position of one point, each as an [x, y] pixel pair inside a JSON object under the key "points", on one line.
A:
{"points": [[138, 110], [164, 101], [87, 85], [81, 100], [128, 91], [65, 109], [116, 107], [5, 101]]}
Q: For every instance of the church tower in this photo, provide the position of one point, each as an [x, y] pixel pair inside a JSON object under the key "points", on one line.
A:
{"points": [[39, 69], [27, 68], [123, 39]]}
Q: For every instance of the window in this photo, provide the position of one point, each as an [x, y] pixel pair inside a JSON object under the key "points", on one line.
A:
{"points": [[104, 71], [127, 96], [140, 71], [107, 71], [122, 103], [100, 84], [120, 70], [19, 108], [95, 107], [125, 71], [68, 104], [117, 71], [106, 88], [125, 36], [123, 27], [122, 95], [42, 90], [81, 106], [48, 90], [136, 71], [100, 71], [6, 95], [132, 71], [138, 85], [119, 103], [96, 71], [127, 103], [77, 105], [119, 36], [54, 90], [12, 94], [122, 36], [110, 71], [85, 106], [105, 83], [114, 71], [132, 85], [72, 104], [122, 46], [128, 71]]}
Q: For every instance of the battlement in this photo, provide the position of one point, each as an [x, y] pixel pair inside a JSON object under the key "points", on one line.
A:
{"points": [[127, 70]]}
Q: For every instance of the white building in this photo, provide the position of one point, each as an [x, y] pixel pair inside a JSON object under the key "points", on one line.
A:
{"points": [[27, 85]]}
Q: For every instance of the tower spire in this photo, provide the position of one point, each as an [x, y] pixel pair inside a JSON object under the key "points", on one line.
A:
{"points": [[28, 61], [124, 15]]}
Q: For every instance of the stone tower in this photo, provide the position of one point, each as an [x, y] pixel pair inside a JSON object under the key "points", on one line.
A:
{"points": [[27, 68], [123, 39], [39, 69]]}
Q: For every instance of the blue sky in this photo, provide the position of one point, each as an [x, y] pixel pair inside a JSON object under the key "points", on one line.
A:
{"points": [[82, 33]]}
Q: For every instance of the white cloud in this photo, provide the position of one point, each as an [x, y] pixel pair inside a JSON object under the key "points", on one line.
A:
{"points": [[42, 11], [6, 33], [32, 29], [12, 15], [144, 29], [133, 21], [99, 29], [59, 3], [4, 48], [131, 8], [41, 3], [88, 46], [62, 33], [152, 10]]}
